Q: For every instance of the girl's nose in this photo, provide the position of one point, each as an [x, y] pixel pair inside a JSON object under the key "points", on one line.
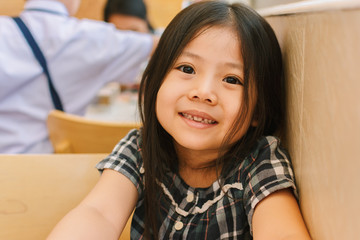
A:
{"points": [[204, 92]]}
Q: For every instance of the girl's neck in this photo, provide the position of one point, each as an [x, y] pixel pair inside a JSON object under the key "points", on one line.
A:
{"points": [[199, 177], [197, 169]]}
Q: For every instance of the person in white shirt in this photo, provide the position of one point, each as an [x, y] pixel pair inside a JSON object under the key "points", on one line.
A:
{"points": [[81, 55]]}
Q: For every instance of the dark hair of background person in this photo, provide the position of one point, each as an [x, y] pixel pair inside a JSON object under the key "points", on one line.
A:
{"points": [[263, 84], [135, 8]]}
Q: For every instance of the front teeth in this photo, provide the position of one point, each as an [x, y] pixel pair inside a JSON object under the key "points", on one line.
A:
{"points": [[198, 119]]}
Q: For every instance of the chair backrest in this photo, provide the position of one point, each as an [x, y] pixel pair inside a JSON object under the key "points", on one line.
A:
{"points": [[38, 190], [74, 134]]}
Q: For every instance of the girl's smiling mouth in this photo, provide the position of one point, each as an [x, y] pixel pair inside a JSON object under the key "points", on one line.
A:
{"points": [[198, 117]]}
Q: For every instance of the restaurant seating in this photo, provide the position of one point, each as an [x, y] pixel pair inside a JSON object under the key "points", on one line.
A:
{"points": [[74, 134], [38, 190]]}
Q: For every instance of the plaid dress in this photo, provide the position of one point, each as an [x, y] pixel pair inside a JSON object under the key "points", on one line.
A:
{"points": [[206, 213]]}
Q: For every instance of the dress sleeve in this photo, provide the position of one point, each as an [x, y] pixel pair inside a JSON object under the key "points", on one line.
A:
{"points": [[126, 159], [266, 170]]}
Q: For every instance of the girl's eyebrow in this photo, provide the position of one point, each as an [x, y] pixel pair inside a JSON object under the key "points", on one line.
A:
{"points": [[236, 65], [191, 55]]}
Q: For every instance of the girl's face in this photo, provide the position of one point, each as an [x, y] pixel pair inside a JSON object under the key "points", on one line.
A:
{"points": [[200, 98]]}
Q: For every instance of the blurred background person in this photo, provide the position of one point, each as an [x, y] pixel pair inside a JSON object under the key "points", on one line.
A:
{"points": [[81, 55], [128, 15]]}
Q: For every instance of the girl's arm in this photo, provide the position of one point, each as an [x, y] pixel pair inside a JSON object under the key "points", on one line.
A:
{"points": [[278, 217], [103, 213]]}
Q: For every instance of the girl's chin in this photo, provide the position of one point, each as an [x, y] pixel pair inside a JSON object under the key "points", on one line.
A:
{"points": [[196, 146]]}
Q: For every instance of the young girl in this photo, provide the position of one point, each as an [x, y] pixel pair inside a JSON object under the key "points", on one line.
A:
{"points": [[204, 165]]}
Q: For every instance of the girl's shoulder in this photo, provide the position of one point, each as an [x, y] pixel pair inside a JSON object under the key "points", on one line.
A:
{"points": [[268, 166], [126, 159], [128, 147], [267, 157], [131, 141], [267, 148], [265, 170]]}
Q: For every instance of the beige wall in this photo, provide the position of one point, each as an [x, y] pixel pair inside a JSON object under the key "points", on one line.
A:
{"points": [[11, 7], [322, 59], [160, 11], [269, 3]]}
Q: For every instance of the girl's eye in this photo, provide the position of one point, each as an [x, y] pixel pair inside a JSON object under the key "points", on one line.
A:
{"points": [[186, 69], [232, 80]]}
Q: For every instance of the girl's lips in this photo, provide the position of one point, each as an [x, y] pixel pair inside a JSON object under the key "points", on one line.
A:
{"points": [[198, 117]]}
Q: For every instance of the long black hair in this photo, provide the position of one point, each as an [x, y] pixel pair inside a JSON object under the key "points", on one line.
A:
{"points": [[263, 87]]}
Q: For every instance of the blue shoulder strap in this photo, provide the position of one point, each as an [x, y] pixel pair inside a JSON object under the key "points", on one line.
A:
{"points": [[41, 59]]}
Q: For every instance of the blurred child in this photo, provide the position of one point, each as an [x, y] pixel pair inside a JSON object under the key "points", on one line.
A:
{"points": [[128, 15]]}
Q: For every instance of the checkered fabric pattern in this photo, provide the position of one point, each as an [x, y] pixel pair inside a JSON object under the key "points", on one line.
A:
{"points": [[218, 212]]}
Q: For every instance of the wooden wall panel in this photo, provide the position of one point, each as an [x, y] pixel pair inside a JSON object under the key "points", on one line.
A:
{"points": [[322, 56]]}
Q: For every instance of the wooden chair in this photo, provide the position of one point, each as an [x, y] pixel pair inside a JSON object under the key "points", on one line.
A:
{"points": [[74, 134], [38, 190]]}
